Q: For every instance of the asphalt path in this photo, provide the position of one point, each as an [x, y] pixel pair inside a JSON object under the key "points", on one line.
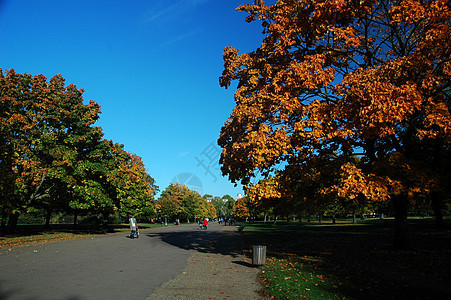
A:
{"points": [[103, 267]]}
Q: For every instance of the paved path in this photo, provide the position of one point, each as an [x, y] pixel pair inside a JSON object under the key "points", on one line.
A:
{"points": [[217, 271], [108, 267]]}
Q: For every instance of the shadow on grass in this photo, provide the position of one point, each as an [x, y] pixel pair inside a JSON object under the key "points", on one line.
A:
{"points": [[361, 259]]}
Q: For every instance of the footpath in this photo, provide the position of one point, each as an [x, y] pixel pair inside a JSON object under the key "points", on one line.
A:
{"points": [[224, 273], [174, 262]]}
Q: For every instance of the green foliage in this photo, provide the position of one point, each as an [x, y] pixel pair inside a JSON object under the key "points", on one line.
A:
{"points": [[52, 158], [178, 201]]}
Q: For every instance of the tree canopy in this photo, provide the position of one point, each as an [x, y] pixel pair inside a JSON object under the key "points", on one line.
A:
{"points": [[177, 201], [342, 98], [53, 158]]}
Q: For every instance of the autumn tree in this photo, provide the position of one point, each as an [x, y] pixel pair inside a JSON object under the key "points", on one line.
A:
{"points": [[241, 208], [336, 80], [208, 210], [52, 158], [192, 207], [178, 201], [134, 186], [168, 206], [108, 180], [40, 123]]}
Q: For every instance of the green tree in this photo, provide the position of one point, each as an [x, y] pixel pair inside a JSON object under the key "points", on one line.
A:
{"points": [[219, 205], [229, 204], [135, 188], [177, 201], [40, 122], [192, 205], [52, 158]]}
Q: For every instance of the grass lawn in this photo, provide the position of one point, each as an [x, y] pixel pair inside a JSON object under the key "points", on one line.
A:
{"points": [[31, 234], [346, 261]]}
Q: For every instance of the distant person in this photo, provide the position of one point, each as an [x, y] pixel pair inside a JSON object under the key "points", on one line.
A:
{"points": [[133, 228], [205, 223], [200, 223]]}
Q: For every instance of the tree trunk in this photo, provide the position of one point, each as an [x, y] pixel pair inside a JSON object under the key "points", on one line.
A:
{"points": [[4, 217], [12, 222], [320, 218], [354, 219], [75, 219], [105, 228], [47, 218], [334, 220], [437, 206], [400, 203]]}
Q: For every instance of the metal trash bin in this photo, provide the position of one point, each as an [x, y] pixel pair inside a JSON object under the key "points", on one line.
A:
{"points": [[258, 255]]}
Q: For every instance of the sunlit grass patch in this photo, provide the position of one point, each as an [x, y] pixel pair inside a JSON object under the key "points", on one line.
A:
{"points": [[297, 278]]}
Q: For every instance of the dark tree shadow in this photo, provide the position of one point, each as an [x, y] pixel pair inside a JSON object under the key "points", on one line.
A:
{"points": [[361, 259], [246, 264], [6, 293], [218, 242]]}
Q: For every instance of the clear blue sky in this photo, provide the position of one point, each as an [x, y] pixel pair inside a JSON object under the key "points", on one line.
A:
{"points": [[152, 65]]}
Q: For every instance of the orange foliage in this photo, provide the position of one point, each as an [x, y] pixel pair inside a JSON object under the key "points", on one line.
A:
{"points": [[341, 87]]}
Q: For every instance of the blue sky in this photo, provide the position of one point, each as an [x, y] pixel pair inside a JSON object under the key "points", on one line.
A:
{"points": [[153, 66]]}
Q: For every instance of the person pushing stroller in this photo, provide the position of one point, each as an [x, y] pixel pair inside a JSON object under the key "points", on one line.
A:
{"points": [[134, 233]]}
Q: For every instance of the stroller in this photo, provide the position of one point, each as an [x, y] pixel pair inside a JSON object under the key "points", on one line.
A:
{"points": [[134, 233]]}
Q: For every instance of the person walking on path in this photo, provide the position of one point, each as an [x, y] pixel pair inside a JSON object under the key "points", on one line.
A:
{"points": [[205, 223], [133, 227]]}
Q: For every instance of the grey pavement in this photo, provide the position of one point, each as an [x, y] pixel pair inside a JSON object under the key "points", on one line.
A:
{"points": [[105, 267]]}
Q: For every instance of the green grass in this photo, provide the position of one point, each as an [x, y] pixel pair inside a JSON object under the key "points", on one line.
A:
{"points": [[344, 261], [298, 279]]}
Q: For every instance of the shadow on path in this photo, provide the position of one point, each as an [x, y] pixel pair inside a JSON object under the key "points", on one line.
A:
{"points": [[217, 240]]}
